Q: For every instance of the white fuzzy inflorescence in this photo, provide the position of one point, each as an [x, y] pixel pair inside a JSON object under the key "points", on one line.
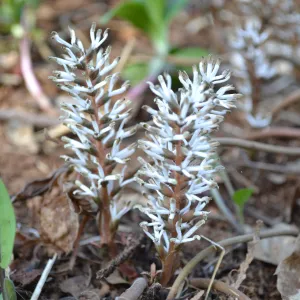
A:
{"points": [[96, 118], [252, 69], [182, 154]]}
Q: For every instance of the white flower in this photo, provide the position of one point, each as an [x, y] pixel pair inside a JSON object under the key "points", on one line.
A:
{"points": [[96, 120], [252, 68], [181, 152]]}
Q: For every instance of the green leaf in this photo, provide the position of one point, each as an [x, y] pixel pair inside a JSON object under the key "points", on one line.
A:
{"points": [[7, 227], [155, 9], [241, 196], [173, 7], [135, 72], [194, 53], [9, 290], [134, 12], [146, 15]]}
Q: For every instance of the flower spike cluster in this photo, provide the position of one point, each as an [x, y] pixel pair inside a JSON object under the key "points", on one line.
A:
{"points": [[182, 156], [252, 69], [97, 120]]}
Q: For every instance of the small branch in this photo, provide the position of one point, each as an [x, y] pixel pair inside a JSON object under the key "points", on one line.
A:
{"points": [[203, 283], [226, 141], [279, 132], [285, 169], [38, 120], [43, 278], [135, 291], [120, 259], [224, 243], [290, 100]]}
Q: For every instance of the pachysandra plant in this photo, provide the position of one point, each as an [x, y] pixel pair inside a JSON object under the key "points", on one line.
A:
{"points": [[98, 121], [252, 69], [182, 157]]}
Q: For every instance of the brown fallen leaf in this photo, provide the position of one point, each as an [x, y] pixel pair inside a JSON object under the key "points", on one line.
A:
{"points": [[78, 284], [274, 250], [58, 222], [24, 272], [288, 275], [40, 186]]}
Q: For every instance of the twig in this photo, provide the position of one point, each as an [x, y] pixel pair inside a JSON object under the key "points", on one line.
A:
{"points": [[226, 141], [220, 286], [291, 99], [135, 291], [120, 259], [43, 278], [40, 120], [224, 243], [286, 169], [279, 132]]}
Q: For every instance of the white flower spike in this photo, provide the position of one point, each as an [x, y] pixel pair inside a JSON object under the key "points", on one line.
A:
{"points": [[181, 151], [98, 122]]}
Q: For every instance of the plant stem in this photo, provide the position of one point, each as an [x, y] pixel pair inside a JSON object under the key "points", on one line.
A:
{"points": [[227, 141], [170, 260], [220, 286], [31, 82], [169, 265], [225, 210], [224, 243], [2, 278], [105, 219], [227, 182], [77, 241], [38, 288]]}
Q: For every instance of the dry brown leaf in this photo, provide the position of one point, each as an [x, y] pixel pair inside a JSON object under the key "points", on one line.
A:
{"points": [[274, 250], [288, 274], [58, 221], [90, 294], [24, 272], [77, 285], [40, 186], [116, 278]]}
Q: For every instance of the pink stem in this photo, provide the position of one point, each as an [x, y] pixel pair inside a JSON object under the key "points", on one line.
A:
{"points": [[31, 81]]}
